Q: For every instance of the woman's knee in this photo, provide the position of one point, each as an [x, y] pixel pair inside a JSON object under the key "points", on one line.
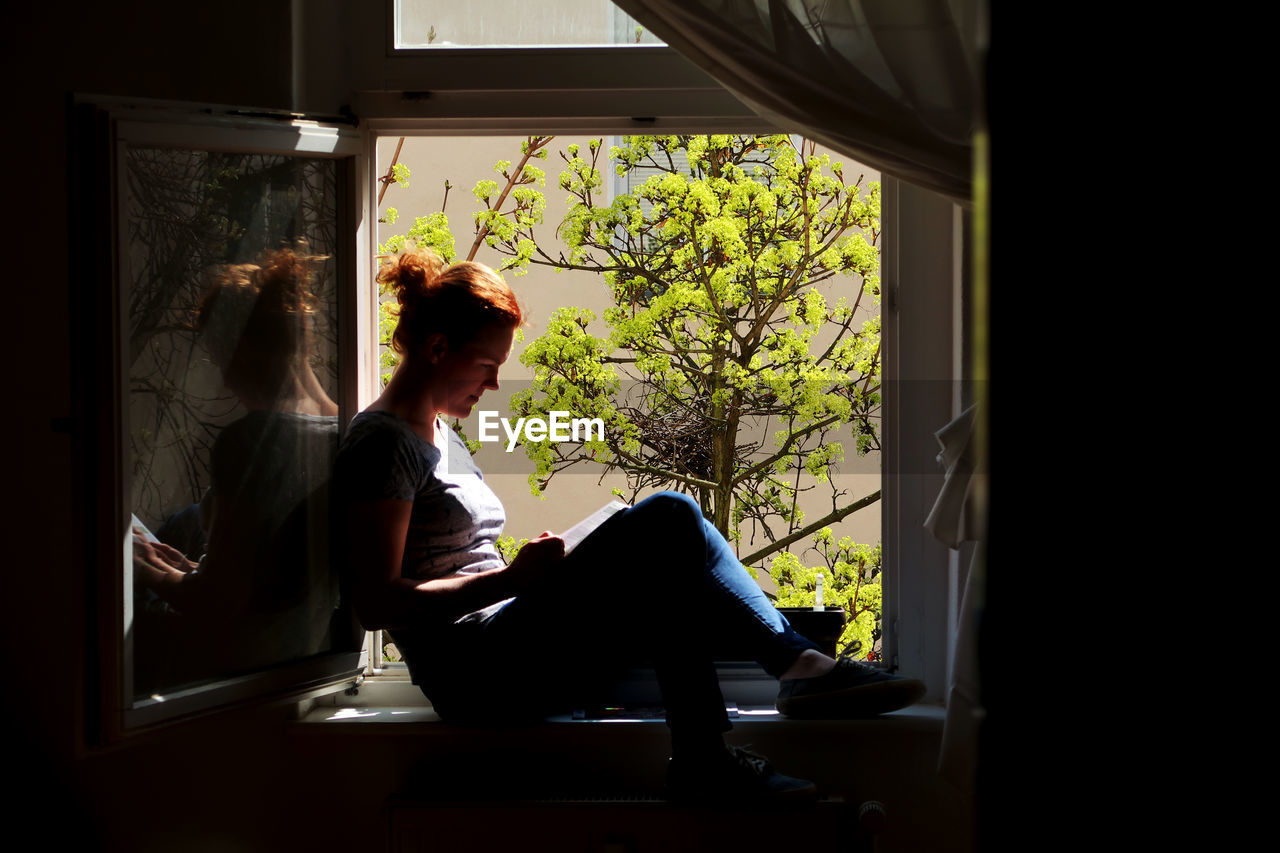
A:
{"points": [[669, 528], [671, 503], [666, 519]]}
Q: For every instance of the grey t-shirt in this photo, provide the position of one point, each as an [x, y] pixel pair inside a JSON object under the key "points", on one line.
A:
{"points": [[456, 518]]}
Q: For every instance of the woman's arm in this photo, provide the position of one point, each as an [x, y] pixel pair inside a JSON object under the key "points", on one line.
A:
{"points": [[383, 598], [312, 388]]}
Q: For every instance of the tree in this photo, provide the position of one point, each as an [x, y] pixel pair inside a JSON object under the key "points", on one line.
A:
{"points": [[726, 372], [851, 579]]}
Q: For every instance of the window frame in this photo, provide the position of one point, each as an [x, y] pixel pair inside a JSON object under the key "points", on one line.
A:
{"points": [[103, 129], [911, 559], [479, 90], [926, 375], [914, 600], [641, 89]]}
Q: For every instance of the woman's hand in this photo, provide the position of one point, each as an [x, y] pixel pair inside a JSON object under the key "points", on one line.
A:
{"points": [[384, 598], [155, 563], [162, 569], [535, 561]]}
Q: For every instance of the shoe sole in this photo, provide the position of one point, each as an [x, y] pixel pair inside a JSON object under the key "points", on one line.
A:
{"points": [[868, 700]]}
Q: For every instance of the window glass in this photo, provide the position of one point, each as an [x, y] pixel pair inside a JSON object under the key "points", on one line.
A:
{"points": [[231, 367], [507, 23], [436, 186]]}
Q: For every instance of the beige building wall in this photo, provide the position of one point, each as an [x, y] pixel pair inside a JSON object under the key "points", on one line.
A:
{"points": [[576, 492], [516, 22]]}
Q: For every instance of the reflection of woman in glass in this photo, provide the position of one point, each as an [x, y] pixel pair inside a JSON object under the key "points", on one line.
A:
{"points": [[264, 591], [257, 322], [493, 643]]}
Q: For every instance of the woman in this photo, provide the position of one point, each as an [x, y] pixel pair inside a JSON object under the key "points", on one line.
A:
{"points": [[421, 528]]}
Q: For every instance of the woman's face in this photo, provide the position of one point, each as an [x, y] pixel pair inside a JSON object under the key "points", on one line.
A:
{"points": [[466, 372]]}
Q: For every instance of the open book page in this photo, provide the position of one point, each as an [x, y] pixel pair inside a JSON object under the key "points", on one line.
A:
{"points": [[139, 527], [583, 528]]}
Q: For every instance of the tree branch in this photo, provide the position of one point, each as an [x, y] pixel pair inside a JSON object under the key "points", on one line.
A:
{"points": [[535, 144], [389, 178], [786, 447], [832, 518]]}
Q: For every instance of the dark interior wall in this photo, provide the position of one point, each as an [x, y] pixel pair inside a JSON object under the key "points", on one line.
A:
{"points": [[235, 52]]}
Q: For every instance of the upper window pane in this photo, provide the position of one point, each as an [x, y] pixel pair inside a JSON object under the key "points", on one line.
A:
{"points": [[516, 23]]}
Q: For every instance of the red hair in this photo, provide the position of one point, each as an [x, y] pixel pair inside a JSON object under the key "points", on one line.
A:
{"points": [[456, 300], [256, 321]]}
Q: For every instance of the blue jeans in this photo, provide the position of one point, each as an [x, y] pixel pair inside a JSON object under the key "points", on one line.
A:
{"points": [[656, 584]]}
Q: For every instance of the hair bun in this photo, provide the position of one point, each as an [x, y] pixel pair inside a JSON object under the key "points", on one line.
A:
{"points": [[283, 282], [457, 300], [412, 273]]}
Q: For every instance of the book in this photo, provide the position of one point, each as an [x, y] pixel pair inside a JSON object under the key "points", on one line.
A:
{"points": [[141, 529], [574, 535]]}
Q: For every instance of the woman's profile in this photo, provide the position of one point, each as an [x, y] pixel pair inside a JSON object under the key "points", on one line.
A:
{"points": [[419, 558]]}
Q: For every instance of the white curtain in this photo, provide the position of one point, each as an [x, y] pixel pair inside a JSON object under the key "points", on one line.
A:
{"points": [[959, 516], [892, 83]]}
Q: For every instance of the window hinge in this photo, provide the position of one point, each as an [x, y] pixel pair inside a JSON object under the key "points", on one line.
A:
{"points": [[355, 686]]}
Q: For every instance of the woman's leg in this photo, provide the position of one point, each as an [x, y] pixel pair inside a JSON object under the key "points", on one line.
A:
{"points": [[656, 584], [662, 537]]}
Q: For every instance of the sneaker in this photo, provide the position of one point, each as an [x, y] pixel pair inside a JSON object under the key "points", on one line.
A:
{"points": [[736, 776], [851, 689]]}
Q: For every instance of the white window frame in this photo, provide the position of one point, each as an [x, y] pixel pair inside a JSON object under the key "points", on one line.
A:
{"points": [[922, 265], [633, 90]]}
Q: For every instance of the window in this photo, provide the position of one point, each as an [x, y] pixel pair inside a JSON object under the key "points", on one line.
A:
{"points": [[234, 298], [456, 92], [597, 91]]}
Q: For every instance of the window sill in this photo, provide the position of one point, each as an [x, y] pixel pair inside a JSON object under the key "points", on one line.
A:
{"points": [[353, 718], [399, 738], [391, 703]]}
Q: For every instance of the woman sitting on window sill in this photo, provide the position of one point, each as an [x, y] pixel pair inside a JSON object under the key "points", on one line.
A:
{"points": [[493, 644]]}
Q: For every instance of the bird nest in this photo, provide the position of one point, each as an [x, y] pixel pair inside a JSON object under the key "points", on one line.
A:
{"points": [[677, 440]]}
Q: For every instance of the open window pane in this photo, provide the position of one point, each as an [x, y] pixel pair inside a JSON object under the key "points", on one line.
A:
{"points": [[232, 294], [516, 23], [233, 424]]}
